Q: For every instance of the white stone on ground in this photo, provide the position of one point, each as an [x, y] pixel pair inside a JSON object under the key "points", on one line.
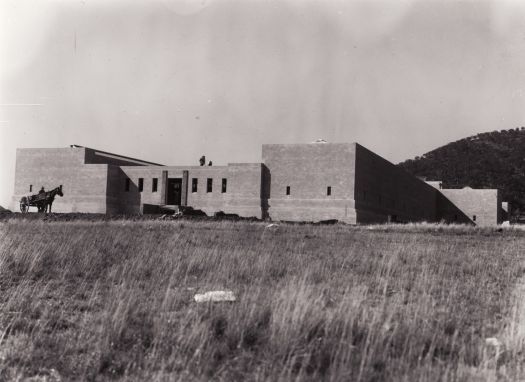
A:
{"points": [[215, 296], [492, 341]]}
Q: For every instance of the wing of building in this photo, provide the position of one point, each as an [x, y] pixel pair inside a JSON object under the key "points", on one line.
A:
{"points": [[294, 182]]}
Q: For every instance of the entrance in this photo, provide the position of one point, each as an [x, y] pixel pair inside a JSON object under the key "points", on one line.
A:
{"points": [[174, 191]]}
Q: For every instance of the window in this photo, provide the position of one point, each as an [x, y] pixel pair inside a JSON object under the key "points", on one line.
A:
{"points": [[141, 184], [287, 190], [30, 188], [329, 190], [127, 184], [154, 184], [209, 185], [194, 182], [474, 218], [224, 184]]}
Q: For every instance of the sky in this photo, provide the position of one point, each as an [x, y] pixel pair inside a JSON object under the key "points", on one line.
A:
{"points": [[169, 81]]}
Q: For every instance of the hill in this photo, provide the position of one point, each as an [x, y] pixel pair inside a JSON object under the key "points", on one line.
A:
{"points": [[486, 160]]}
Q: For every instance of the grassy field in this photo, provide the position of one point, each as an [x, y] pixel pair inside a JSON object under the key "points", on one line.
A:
{"points": [[114, 300]]}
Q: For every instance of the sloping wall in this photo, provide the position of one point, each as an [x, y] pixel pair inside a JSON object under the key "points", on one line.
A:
{"points": [[93, 156], [385, 192]]}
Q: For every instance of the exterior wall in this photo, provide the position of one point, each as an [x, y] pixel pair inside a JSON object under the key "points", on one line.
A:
{"points": [[448, 212], [84, 186], [365, 188], [385, 192], [308, 169], [484, 204], [242, 196], [121, 201], [243, 191]]}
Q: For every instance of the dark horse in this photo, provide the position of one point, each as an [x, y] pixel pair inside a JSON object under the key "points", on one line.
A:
{"points": [[41, 200]]}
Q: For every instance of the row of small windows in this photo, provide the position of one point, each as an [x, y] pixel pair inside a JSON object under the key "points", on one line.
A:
{"points": [[209, 185], [155, 183], [328, 190]]}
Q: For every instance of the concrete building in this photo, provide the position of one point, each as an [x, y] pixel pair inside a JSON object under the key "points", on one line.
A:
{"points": [[295, 182]]}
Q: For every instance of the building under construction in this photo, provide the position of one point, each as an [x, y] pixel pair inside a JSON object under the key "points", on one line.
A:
{"points": [[294, 182]]}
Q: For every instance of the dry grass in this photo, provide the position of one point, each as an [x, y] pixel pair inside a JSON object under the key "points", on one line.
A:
{"points": [[113, 300]]}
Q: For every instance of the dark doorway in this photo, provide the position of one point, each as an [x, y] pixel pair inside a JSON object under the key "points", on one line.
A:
{"points": [[174, 191]]}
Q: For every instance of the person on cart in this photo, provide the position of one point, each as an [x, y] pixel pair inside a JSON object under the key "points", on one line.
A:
{"points": [[42, 191]]}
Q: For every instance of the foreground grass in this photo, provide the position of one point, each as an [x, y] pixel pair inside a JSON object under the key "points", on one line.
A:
{"points": [[113, 300]]}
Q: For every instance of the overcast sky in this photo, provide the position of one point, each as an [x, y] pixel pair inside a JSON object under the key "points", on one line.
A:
{"points": [[169, 81]]}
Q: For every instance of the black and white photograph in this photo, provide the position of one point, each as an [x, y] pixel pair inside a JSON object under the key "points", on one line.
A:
{"points": [[262, 190]]}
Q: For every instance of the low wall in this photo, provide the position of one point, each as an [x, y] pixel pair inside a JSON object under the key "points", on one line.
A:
{"points": [[481, 207]]}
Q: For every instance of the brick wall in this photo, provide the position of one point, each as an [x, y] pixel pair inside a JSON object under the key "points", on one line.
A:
{"points": [[364, 188], [130, 202], [242, 196], [483, 204], [84, 186], [309, 169]]}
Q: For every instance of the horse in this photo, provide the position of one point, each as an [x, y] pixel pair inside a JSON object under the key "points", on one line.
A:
{"points": [[50, 198], [41, 200]]}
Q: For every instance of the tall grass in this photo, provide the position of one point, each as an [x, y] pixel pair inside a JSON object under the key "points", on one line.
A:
{"points": [[113, 300]]}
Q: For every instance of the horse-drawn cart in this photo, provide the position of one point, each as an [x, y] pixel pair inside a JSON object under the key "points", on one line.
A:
{"points": [[41, 200]]}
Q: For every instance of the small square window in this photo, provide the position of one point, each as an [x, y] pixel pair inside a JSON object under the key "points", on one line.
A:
{"points": [[194, 183], [141, 184], [329, 190], [224, 184], [287, 190], [154, 184], [127, 184], [30, 188], [474, 218], [209, 185]]}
